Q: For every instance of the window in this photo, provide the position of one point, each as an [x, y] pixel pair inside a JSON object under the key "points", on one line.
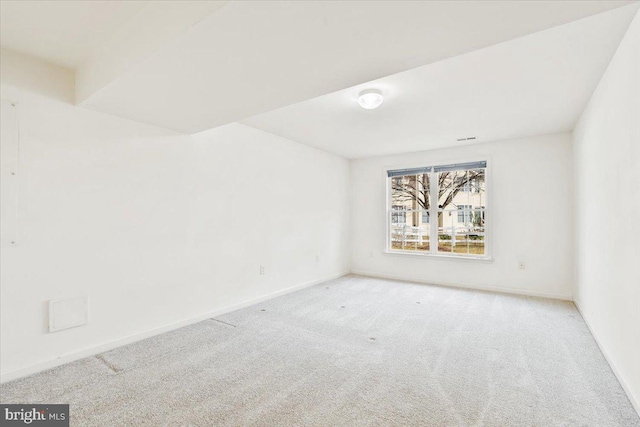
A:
{"points": [[460, 192], [464, 213]]}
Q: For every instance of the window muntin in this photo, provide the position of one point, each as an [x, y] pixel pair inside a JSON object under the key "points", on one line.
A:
{"points": [[460, 229]]}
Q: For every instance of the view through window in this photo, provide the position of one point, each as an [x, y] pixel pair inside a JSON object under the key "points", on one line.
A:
{"points": [[459, 228]]}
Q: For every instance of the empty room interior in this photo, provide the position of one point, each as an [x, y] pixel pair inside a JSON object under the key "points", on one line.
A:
{"points": [[320, 213]]}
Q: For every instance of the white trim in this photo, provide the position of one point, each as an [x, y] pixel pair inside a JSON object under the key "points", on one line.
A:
{"points": [[499, 289], [614, 369], [439, 256], [94, 350]]}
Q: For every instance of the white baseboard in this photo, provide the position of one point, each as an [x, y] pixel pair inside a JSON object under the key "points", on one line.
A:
{"points": [[93, 350], [499, 289], [634, 402]]}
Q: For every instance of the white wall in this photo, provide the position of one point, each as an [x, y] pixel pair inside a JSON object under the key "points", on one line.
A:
{"points": [[264, 200], [157, 228], [530, 202], [607, 180]]}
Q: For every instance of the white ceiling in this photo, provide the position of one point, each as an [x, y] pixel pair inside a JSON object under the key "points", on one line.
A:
{"points": [[62, 32], [70, 32], [248, 58], [536, 84], [490, 69]]}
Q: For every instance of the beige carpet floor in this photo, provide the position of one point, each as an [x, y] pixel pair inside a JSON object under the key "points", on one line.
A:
{"points": [[354, 351]]}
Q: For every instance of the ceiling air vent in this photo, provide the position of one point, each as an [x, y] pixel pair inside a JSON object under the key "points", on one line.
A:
{"points": [[471, 138]]}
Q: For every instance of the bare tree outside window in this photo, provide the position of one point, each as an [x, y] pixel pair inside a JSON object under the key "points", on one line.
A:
{"points": [[460, 211], [415, 188]]}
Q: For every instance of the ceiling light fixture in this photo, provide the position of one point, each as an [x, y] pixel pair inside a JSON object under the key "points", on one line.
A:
{"points": [[370, 99]]}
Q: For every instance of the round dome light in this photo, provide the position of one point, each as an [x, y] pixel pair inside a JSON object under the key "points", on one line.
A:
{"points": [[370, 99]]}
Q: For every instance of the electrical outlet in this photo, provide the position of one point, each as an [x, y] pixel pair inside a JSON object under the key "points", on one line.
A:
{"points": [[317, 258], [521, 265], [262, 269]]}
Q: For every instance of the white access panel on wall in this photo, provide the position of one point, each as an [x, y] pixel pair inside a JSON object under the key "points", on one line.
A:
{"points": [[9, 142], [68, 313]]}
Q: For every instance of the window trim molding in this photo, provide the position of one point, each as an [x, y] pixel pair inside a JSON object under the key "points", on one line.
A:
{"points": [[488, 210]]}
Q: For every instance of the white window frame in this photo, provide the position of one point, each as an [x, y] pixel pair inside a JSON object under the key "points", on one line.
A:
{"points": [[433, 251]]}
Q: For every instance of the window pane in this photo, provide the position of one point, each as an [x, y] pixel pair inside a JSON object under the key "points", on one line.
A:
{"points": [[477, 218], [423, 196], [462, 187], [423, 238], [410, 239], [424, 217], [411, 191], [476, 241], [449, 185], [464, 215], [477, 180], [477, 195], [398, 215], [460, 238], [403, 191], [398, 223], [404, 234], [445, 226]]}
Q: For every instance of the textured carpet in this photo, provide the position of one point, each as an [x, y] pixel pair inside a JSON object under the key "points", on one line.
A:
{"points": [[354, 351]]}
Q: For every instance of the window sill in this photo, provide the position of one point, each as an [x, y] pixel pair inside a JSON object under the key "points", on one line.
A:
{"points": [[483, 259]]}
